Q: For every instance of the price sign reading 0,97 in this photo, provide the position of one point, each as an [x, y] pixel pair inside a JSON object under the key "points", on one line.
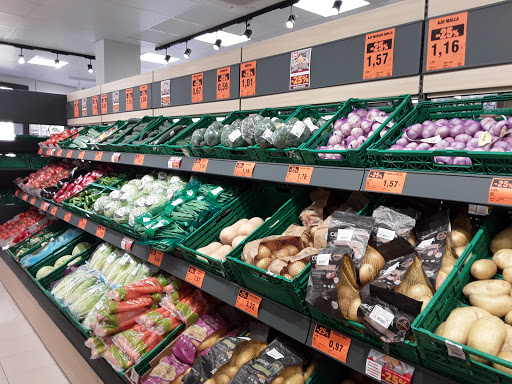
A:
{"points": [[447, 41], [378, 54]]}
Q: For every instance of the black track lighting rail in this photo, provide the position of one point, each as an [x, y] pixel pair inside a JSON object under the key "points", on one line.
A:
{"points": [[51, 50]]}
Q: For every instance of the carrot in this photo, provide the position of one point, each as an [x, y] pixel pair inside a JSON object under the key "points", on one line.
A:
{"points": [[149, 285], [113, 306]]}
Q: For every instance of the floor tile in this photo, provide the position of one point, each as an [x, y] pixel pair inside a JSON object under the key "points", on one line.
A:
{"points": [[25, 361], [2, 375], [2, 287], [15, 344], [48, 374]]}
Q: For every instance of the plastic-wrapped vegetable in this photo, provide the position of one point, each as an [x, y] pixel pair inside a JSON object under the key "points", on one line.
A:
{"points": [[212, 134], [99, 205], [134, 213], [129, 188], [111, 208], [197, 139], [234, 139], [263, 132], [155, 203], [87, 300], [279, 136], [135, 344], [146, 286], [248, 128], [298, 132], [121, 215], [100, 255], [117, 358], [224, 137]]}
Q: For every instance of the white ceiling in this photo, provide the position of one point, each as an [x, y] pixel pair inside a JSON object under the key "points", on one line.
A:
{"points": [[75, 25]]}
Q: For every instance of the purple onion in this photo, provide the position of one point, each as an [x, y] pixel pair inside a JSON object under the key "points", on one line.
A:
{"points": [[373, 113], [441, 122], [478, 149], [414, 131], [497, 150], [472, 127], [383, 132], [375, 126], [477, 134], [442, 131], [456, 121], [456, 130], [463, 138], [338, 124], [335, 139], [508, 140], [349, 139], [402, 142], [354, 121], [396, 147], [366, 126], [473, 143], [459, 145], [487, 120], [450, 140], [423, 147], [459, 161], [428, 131], [443, 144], [412, 146], [345, 130], [443, 159], [502, 144], [354, 144], [357, 132], [498, 127], [338, 147], [361, 112]]}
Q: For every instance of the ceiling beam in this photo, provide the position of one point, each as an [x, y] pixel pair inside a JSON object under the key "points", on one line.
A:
{"points": [[51, 50]]}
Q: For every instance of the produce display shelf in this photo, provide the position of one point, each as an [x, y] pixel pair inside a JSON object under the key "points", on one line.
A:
{"points": [[445, 186], [286, 320]]}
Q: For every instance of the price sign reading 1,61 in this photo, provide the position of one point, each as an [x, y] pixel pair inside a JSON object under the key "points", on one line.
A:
{"points": [[223, 83], [447, 41], [331, 343], [378, 54]]}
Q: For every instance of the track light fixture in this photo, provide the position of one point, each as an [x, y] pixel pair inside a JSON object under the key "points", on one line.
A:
{"points": [[217, 44], [167, 57], [89, 67], [21, 59], [248, 32], [335, 10], [57, 62], [188, 51], [291, 20]]}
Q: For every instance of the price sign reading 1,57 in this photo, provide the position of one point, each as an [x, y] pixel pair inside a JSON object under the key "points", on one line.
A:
{"points": [[378, 54]]}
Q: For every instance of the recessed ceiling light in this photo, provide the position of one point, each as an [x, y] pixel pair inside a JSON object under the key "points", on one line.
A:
{"points": [[227, 38], [324, 7], [8, 88], [38, 60], [156, 58]]}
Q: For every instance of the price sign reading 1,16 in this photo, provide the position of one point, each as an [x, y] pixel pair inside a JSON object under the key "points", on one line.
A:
{"points": [[378, 54]]}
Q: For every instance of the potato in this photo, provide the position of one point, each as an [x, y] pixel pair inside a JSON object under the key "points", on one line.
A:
{"points": [[256, 222], [483, 269], [460, 237], [507, 344], [460, 250], [496, 305], [508, 318], [425, 300], [459, 323], [487, 287], [503, 258], [480, 312], [294, 269], [245, 229], [227, 235], [507, 274], [366, 274], [418, 290], [237, 240], [292, 249], [282, 253], [264, 263], [439, 330], [487, 335], [502, 240], [220, 254], [263, 252], [505, 355], [288, 276], [273, 246]]}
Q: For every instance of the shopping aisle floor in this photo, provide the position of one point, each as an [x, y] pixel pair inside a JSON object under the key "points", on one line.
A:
{"points": [[23, 357]]}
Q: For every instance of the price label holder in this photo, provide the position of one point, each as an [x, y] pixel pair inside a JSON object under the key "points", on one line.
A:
{"points": [[248, 79], [331, 343], [500, 191], [200, 165], [69, 154], [17, 193], [104, 104], [387, 369], [53, 211], [95, 105], [197, 87], [33, 200], [45, 206], [223, 83], [248, 302], [129, 99], [98, 156], [378, 54], [81, 155], [100, 231], [67, 217], [299, 174], [174, 162], [447, 41], [385, 181], [115, 157], [126, 244], [139, 159], [59, 152], [40, 151], [143, 96], [48, 152], [155, 257], [244, 168], [195, 276], [24, 197], [82, 223]]}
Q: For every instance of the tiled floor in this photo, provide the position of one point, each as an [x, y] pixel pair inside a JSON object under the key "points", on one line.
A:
{"points": [[23, 357]]}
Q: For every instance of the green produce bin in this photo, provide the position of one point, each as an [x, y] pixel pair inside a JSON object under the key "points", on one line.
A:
{"points": [[80, 210], [54, 227], [46, 238], [154, 149], [119, 146], [433, 348], [131, 147], [65, 144], [263, 202], [18, 160], [121, 126], [398, 107], [492, 163], [111, 129]]}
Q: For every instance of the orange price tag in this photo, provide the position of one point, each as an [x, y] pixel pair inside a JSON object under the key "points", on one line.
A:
{"points": [[59, 153], [45, 206], [248, 79], [81, 154], [195, 276], [67, 216], [42, 205], [115, 157], [69, 154], [500, 191], [129, 99], [24, 197], [197, 88], [40, 151], [126, 243], [104, 105], [385, 181], [248, 302], [139, 159], [200, 165], [100, 231], [98, 156], [33, 200], [82, 223], [95, 105], [155, 257], [49, 152], [17, 193], [447, 41], [223, 83], [53, 211], [299, 174], [244, 168], [378, 54], [143, 96], [331, 343], [75, 108]]}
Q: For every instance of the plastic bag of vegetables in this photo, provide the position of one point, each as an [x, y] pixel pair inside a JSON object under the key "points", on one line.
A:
{"points": [[99, 205], [111, 208], [212, 134], [197, 139], [263, 131], [297, 132], [134, 213], [232, 137], [121, 215], [248, 126]]}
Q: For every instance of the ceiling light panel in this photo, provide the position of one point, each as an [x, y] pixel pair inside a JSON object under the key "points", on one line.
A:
{"points": [[227, 38], [324, 7], [156, 58], [38, 60]]}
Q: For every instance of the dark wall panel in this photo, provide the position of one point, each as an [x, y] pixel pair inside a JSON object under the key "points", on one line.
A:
{"points": [[33, 107]]}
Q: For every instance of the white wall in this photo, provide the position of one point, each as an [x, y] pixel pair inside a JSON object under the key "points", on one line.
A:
{"points": [[38, 86]]}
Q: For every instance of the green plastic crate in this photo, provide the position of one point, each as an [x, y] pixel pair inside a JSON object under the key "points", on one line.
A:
{"points": [[56, 226], [64, 143], [36, 247], [111, 129], [67, 142], [152, 149], [494, 163], [102, 146], [116, 146], [138, 148], [398, 107], [79, 210], [37, 161], [263, 202], [18, 160], [433, 350]]}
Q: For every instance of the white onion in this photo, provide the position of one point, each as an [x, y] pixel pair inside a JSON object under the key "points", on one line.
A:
{"points": [[345, 130], [354, 121], [357, 132]]}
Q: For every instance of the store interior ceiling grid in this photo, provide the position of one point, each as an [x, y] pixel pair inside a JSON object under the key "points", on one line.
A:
{"points": [[75, 26]]}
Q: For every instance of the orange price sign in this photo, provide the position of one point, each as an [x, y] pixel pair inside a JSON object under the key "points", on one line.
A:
{"points": [[59, 153], [197, 88], [244, 168], [104, 104], [385, 181], [299, 174], [40, 151], [248, 302], [95, 105], [500, 191], [81, 154], [17, 193], [100, 231], [67, 216], [447, 41], [49, 152], [195, 276], [69, 154], [155, 257], [53, 211], [45, 206], [200, 165], [248, 79], [331, 343], [139, 159], [378, 54], [75, 109], [98, 156], [33, 200], [143, 96], [129, 99], [223, 83], [24, 197], [82, 223]]}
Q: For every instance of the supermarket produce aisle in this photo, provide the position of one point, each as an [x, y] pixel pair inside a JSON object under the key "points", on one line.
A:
{"points": [[23, 357]]}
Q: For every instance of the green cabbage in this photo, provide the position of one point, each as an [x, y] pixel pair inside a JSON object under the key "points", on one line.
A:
{"points": [[111, 208], [79, 248], [134, 213], [129, 188], [99, 205], [197, 139], [212, 134], [121, 215], [62, 260], [44, 271], [263, 132]]}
